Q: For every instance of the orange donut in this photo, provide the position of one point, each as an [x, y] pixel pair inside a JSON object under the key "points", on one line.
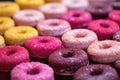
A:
{"points": [[106, 51]]}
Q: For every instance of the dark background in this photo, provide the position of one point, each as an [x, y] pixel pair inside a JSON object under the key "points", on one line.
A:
{"points": [[6, 0]]}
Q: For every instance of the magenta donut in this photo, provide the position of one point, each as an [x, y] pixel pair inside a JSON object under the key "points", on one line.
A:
{"points": [[32, 71], [53, 10], [11, 56], [77, 18], [115, 16], [67, 60], [53, 27], [28, 17], [79, 38], [43, 46], [106, 51], [103, 28]]}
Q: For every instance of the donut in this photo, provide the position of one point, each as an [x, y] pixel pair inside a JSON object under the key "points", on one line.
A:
{"points": [[103, 28], [79, 38], [5, 23], [77, 18], [19, 34], [67, 60], [96, 72], [115, 16], [75, 4], [8, 9], [2, 41], [11, 56], [28, 17], [117, 65], [55, 10], [53, 27], [43, 46], [116, 4], [106, 51], [29, 4], [100, 10], [32, 71], [116, 36]]}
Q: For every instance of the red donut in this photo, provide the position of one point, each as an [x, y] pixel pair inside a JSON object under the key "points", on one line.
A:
{"points": [[32, 71], [10, 56], [43, 46], [103, 28]]}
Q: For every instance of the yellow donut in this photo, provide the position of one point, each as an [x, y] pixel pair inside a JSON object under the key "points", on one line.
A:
{"points": [[19, 34], [8, 8], [47, 1], [5, 23], [29, 4], [2, 41]]}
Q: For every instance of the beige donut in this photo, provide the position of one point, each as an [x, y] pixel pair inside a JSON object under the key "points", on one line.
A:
{"points": [[79, 38], [106, 51]]}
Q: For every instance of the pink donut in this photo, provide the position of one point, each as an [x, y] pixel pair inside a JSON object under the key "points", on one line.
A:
{"points": [[103, 28], [53, 27], [75, 4], [79, 38], [10, 56], [77, 18], [28, 17], [115, 16], [42, 47], [106, 51], [32, 71], [53, 10]]}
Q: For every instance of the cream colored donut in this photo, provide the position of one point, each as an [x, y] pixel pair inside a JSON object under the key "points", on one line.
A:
{"points": [[79, 38], [53, 10], [75, 4], [106, 51]]}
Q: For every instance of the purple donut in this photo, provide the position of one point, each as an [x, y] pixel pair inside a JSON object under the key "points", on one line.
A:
{"points": [[77, 18], [96, 72], [67, 60], [32, 71], [43, 46]]}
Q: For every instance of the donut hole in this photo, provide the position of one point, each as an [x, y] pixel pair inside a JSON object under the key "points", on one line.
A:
{"points": [[22, 31], [76, 15], [43, 41], [105, 46], [67, 55], [10, 52], [79, 36], [29, 15], [75, 1], [54, 24], [98, 7], [96, 72], [104, 25], [33, 71]]}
